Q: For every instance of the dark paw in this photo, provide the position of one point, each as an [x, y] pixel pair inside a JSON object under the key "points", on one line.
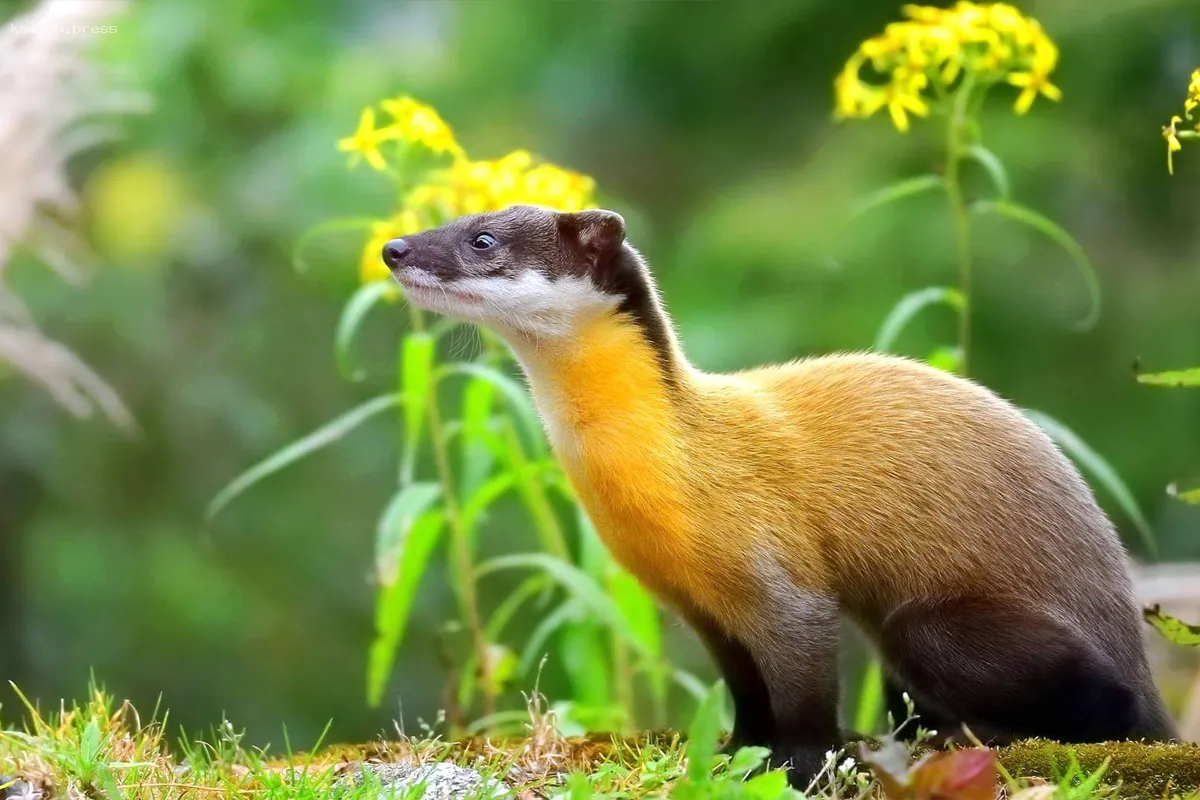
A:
{"points": [[803, 761]]}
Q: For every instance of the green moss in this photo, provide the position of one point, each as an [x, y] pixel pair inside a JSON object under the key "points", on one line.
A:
{"points": [[1143, 770]]}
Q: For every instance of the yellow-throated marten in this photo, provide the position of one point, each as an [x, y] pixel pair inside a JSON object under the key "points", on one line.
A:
{"points": [[761, 504]]}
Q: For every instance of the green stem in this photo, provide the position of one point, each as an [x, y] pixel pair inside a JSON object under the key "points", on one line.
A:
{"points": [[532, 491], [468, 597], [623, 679], [962, 230]]}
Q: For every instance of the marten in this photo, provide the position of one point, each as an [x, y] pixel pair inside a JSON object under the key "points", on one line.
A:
{"points": [[762, 505]]}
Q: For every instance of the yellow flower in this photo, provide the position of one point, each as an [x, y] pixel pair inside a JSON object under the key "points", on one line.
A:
{"points": [[1173, 146], [1032, 84], [902, 96], [937, 47], [420, 124], [364, 144]]}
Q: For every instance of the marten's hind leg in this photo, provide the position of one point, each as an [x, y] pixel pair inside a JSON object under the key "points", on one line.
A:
{"points": [[924, 714], [1009, 672]]}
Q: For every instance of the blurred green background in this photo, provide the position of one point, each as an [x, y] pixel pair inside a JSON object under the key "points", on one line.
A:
{"points": [[706, 122]]}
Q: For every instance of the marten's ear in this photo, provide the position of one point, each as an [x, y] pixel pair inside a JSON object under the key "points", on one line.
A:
{"points": [[598, 233]]}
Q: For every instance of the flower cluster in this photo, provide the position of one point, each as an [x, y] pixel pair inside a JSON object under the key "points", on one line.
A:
{"points": [[936, 50], [464, 186], [1172, 132]]}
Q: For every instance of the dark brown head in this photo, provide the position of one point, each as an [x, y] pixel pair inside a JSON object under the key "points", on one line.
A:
{"points": [[526, 268]]}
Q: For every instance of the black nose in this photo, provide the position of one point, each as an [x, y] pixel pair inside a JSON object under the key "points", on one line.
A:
{"points": [[395, 251]]}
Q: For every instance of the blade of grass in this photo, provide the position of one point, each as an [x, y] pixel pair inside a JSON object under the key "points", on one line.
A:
{"points": [[353, 314], [898, 191], [322, 437], [1066, 241], [907, 308]]}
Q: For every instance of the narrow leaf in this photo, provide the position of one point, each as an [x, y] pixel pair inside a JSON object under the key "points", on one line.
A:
{"points": [[1093, 463], [909, 306], [323, 436], [578, 583], [898, 191], [355, 311], [1064, 240], [569, 611], [992, 165], [478, 503], [416, 381], [515, 397], [870, 698], [586, 660], [405, 507], [1174, 378], [1174, 629], [394, 604], [478, 404], [639, 610], [704, 734], [508, 607]]}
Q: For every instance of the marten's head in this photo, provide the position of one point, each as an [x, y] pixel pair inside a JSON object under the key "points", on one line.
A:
{"points": [[527, 270]]}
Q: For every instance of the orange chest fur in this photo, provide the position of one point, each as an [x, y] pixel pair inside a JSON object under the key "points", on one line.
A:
{"points": [[615, 430]]}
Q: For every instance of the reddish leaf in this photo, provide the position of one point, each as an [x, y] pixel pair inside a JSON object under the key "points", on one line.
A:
{"points": [[959, 775]]}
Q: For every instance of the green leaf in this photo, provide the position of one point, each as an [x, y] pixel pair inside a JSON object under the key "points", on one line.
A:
{"points": [[870, 698], [704, 734], [569, 611], [748, 759], [1093, 463], [992, 165], [898, 191], [478, 503], [355, 311], [771, 785], [586, 660], [1174, 629], [323, 436], [1174, 378], [579, 584], [638, 608], [1064, 240], [89, 744], [594, 558], [578, 787], [909, 306], [393, 605], [416, 382], [478, 403], [947, 359], [405, 507], [1190, 496], [512, 603], [690, 683], [515, 397]]}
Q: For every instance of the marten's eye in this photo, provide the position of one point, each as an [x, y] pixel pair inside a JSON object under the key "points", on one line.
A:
{"points": [[483, 241]]}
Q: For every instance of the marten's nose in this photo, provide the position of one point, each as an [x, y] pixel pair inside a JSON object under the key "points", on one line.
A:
{"points": [[395, 251]]}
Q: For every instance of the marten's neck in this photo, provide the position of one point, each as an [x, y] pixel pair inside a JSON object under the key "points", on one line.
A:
{"points": [[615, 406]]}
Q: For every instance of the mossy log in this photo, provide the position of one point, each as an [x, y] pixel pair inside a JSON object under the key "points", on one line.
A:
{"points": [[1143, 770]]}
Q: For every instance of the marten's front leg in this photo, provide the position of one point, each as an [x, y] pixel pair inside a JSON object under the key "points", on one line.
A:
{"points": [[781, 670], [795, 645], [753, 720]]}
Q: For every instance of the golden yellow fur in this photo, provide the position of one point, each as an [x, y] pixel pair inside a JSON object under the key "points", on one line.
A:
{"points": [[860, 477]]}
